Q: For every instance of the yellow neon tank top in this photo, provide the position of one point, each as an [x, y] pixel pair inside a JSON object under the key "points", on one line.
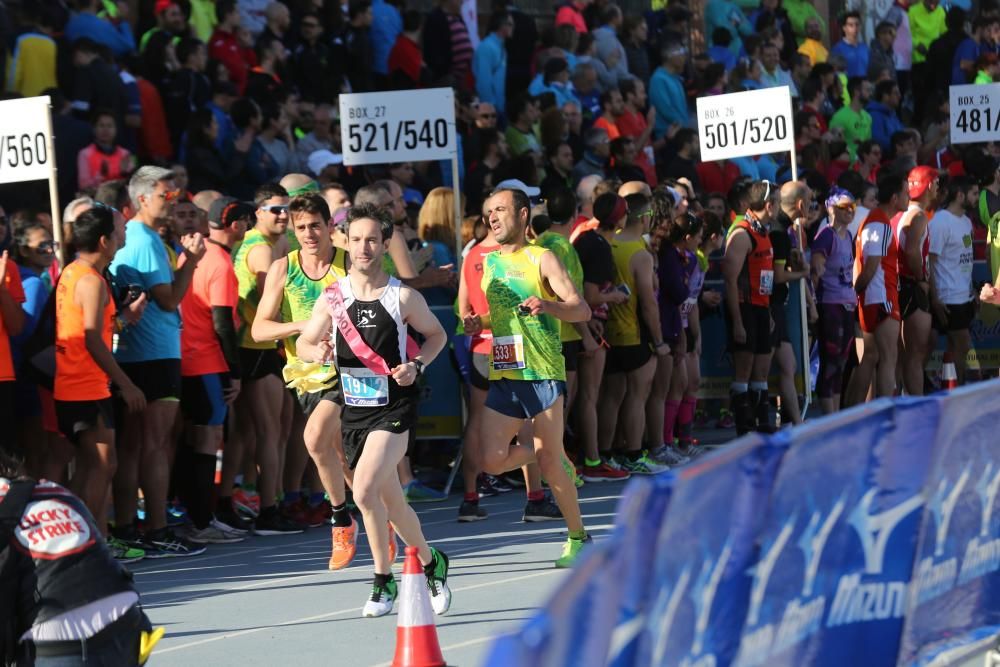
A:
{"points": [[249, 296], [623, 327]]}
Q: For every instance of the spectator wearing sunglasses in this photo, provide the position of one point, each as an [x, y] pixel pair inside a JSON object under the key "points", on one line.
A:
{"points": [[149, 353]]}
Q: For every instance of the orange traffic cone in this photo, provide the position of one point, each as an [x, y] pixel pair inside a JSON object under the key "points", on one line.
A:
{"points": [[949, 376], [416, 635]]}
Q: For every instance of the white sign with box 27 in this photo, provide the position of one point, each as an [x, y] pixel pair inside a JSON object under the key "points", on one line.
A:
{"points": [[975, 113], [401, 126], [755, 122]]}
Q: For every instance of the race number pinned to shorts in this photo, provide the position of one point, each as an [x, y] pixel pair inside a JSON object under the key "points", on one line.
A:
{"points": [[766, 281], [364, 389], [508, 353], [50, 529]]}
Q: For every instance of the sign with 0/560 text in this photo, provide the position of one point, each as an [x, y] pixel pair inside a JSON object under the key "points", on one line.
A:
{"points": [[755, 122], [403, 126], [24, 141], [975, 113]]}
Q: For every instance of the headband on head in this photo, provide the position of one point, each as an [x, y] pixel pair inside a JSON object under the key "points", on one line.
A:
{"points": [[836, 195]]}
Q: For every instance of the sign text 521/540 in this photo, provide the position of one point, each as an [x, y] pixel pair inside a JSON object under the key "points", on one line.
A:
{"points": [[408, 135]]}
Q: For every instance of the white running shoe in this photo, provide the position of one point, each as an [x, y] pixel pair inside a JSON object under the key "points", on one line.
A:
{"points": [[381, 601]]}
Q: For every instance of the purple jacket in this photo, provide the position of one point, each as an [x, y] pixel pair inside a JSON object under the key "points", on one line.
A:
{"points": [[673, 291]]}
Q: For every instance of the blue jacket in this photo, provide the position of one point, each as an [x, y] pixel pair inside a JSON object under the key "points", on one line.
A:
{"points": [[666, 93], [387, 24], [489, 66], [728, 15], [885, 123], [563, 93], [117, 38], [856, 57]]}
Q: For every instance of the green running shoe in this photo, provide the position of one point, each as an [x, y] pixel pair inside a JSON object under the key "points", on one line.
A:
{"points": [[437, 582], [123, 553], [571, 550]]}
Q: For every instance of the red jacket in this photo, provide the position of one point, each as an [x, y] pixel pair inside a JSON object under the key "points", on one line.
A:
{"points": [[717, 176], [226, 48], [407, 58]]}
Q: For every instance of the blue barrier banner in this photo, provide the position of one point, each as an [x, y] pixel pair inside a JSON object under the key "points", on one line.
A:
{"points": [[829, 586], [640, 516], [955, 591], [560, 634], [707, 542]]}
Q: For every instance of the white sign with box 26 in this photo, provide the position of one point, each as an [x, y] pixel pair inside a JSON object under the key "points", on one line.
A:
{"points": [[755, 122], [401, 126], [975, 113]]}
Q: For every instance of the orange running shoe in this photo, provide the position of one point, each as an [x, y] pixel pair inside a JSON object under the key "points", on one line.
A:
{"points": [[345, 545]]}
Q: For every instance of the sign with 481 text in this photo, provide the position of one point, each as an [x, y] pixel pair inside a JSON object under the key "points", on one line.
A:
{"points": [[755, 122], [403, 126], [975, 113]]}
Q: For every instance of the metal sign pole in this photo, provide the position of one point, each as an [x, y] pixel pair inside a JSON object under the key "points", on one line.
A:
{"points": [[457, 191], [57, 231], [803, 308]]}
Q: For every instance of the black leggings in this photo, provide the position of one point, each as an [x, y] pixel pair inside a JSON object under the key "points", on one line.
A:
{"points": [[836, 333]]}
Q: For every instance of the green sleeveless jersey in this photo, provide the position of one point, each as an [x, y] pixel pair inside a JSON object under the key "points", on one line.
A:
{"points": [[249, 296], [566, 253], [301, 291], [525, 347]]}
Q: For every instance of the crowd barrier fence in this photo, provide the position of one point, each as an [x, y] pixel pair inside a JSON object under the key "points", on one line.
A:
{"points": [[868, 537]]}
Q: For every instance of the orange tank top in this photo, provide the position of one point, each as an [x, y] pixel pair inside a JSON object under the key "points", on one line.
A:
{"points": [[78, 377]]}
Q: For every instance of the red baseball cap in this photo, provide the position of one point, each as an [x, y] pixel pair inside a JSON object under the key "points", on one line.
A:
{"points": [[919, 180], [162, 6]]}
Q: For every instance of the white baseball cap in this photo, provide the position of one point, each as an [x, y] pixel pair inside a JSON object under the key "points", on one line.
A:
{"points": [[321, 159], [517, 184]]}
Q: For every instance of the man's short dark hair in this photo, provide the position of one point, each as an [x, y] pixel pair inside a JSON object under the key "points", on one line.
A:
{"points": [[638, 204], [884, 26], [356, 8], [553, 149], [412, 20], [518, 105], [890, 184], [760, 193], [520, 199], [186, 47], [497, 19], [849, 15], [311, 203], [113, 193], [372, 212], [606, 96], [854, 86], [618, 146], [561, 204], [721, 37], [627, 86], [884, 88], [268, 190], [684, 136], [91, 226]]}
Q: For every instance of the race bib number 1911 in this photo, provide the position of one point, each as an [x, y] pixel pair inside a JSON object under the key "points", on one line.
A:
{"points": [[364, 389], [508, 353]]}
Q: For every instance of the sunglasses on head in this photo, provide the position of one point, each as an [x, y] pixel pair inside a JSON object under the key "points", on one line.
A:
{"points": [[276, 209], [105, 206]]}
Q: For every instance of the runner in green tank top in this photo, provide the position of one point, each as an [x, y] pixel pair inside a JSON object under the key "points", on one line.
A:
{"points": [[528, 291], [293, 285], [576, 337]]}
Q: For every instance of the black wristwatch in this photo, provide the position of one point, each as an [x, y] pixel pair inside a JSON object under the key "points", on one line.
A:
{"points": [[419, 365]]}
